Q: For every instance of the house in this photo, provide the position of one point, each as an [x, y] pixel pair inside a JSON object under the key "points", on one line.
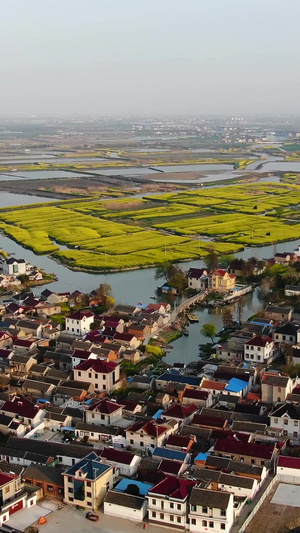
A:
{"points": [[258, 349], [180, 442], [278, 314], [49, 479], [285, 258], [24, 410], [127, 310], [125, 505], [60, 360], [275, 388], [13, 496], [103, 412], [197, 279], [13, 267], [81, 355], [9, 425], [288, 470], [21, 363], [241, 486], [103, 376], [127, 339], [171, 455], [210, 510], [142, 435], [79, 322], [87, 482], [181, 413], [47, 309], [236, 387], [292, 290], [142, 382], [248, 452], [23, 345], [6, 340], [172, 380], [221, 281], [139, 331], [293, 357], [124, 463], [287, 333], [93, 433], [168, 502], [213, 387], [198, 397], [38, 389], [287, 418]]}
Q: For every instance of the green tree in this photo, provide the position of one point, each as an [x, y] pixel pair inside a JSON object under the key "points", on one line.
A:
{"points": [[227, 318], [226, 260], [24, 279], [211, 259], [279, 211], [173, 274], [209, 330]]}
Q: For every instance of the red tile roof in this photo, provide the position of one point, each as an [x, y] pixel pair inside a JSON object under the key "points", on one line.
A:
{"points": [[289, 462], [195, 394], [117, 456], [80, 315], [173, 487], [178, 440], [213, 385], [97, 365], [129, 405], [258, 340], [104, 407], [180, 411], [23, 342], [262, 451], [81, 354], [169, 466], [150, 428], [20, 406], [4, 353], [123, 337], [6, 478]]}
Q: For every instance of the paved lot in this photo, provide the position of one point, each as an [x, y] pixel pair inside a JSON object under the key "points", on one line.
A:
{"points": [[287, 495], [70, 520], [26, 517]]}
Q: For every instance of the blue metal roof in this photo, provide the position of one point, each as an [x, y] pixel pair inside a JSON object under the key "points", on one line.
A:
{"points": [[169, 454], [90, 465], [143, 487], [201, 457], [180, 379], [236, 385], [158, 414]]}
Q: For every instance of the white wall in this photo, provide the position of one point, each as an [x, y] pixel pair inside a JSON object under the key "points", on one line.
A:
{"points": [[124, 512]]}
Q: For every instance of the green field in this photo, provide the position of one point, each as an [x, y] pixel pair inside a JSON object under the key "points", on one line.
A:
{"points": [[131, 233]]}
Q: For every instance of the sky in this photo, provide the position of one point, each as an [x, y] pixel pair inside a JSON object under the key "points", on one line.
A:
{"points": [[150, 57]]}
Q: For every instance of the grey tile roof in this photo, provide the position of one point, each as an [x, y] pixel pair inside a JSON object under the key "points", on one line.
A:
{"points": [[209, 498], [124, 500]]}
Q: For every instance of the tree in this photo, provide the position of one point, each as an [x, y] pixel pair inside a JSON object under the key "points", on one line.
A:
{"points": [[227, 318], [211, 259], [173, 274], [165, 271], [133, 489], [24, 279], [209, 330], [226, 260], [103, 293], [279, 211]]}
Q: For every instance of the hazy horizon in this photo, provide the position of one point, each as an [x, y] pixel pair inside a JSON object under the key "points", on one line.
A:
{"points": [[150, 57]]}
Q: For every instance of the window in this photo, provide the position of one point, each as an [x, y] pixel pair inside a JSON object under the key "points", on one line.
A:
{"points": [[242, 459], [71, 499], [88, 494], [153, 502], [90, 374], [104, 377], [104, 387], [141, 444], [70, 490], [50, 488], [162, 505], [279, 389], [171, 518], [178, 507], [204, 510], [193, 508], [6, 490], [275, 420], [211, 524], [171, 505], [161, 516], [153, 514], [79, 373], [262, 463], [90, 504], [285, 421], [193, 521], [253, 461], [102, 417], [223, 526], [295, 434], [204, 523], [96, 376], [179, 519], [131, 441], [295, 422], [223, 512], [258, 349]]}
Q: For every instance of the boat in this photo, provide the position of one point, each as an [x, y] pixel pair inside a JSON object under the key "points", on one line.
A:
{"points": [[192, 318], [152, 297], [185, 332]]}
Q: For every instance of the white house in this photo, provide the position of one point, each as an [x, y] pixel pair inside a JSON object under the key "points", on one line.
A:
{"points": [[126, 506], [258, 349], [102, 375], [103, 413], [168, 502], [13, 266], [124, 463], [287, 417], [210, 510], [79, 322], [288, 470], [142, 435], [197, 279]]}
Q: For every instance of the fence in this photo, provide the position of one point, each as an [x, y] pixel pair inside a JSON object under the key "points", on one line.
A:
{"points": [[258, 504]]}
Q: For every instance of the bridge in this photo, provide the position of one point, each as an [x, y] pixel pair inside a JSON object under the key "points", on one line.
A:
{"points": [[187, 304]]}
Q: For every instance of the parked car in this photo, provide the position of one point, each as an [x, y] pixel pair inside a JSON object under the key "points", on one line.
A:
{"points": [[92, 516]]}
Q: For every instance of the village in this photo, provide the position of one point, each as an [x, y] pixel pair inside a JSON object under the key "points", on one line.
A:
{"points": [[93, 418]]}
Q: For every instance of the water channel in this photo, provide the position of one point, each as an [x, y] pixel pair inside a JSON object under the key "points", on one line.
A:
{"points": [[139, 285]]}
